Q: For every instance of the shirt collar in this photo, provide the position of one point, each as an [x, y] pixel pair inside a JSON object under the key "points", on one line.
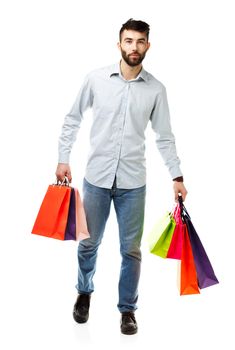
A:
{"points": [[115, 70]]}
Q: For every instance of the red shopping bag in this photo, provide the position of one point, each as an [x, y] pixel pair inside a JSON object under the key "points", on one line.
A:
{"points": [[188, 274], [175, 249], [52, 217]]}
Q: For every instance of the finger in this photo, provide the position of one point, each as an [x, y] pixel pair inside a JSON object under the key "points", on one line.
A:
{"points": [[58, 177], [69, 176], [176, 196], [184, 194]]}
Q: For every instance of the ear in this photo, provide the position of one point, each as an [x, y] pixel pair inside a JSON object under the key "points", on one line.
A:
{"points": [[148, 45], [119, 45]]}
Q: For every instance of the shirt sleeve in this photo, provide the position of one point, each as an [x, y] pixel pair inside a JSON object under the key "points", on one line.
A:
{"points": [[73, 120], [165, 140]]}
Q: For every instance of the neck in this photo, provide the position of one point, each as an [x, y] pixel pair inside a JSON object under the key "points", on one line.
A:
{"points": [[129, 72]]}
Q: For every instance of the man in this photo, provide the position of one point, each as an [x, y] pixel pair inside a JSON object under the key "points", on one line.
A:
{"points": [[124, 98]]}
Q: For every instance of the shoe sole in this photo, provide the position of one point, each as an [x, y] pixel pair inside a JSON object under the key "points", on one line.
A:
{"points": [[80, 319], [134, 331]]}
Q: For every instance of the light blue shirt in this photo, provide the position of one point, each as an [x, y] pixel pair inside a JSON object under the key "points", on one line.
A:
{"points": [[121, 111]]}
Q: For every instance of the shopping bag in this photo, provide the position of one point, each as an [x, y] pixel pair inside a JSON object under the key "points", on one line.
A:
{"points": [[161, 235], [81, 223], [70, 231], [175, 249], [52, 217], [188, 274], [205, 273]]}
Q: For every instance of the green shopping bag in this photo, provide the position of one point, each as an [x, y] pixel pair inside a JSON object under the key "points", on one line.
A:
{"points": [[161, 235]]}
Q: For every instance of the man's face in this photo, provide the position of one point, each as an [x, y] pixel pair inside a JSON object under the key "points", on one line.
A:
{"points": [[133, 47]]}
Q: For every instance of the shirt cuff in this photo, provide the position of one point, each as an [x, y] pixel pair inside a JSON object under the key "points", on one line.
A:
{"points": [[175, 171], [179, 179], [63, 158]]}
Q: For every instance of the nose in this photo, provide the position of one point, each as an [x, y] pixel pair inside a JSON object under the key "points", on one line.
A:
{"points": [[134, 46]]}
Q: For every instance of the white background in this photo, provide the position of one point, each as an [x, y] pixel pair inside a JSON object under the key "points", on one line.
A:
{"points": [[47, 47]]}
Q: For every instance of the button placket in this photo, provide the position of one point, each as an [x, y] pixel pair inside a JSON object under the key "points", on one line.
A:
{"points": [[119, 129]]}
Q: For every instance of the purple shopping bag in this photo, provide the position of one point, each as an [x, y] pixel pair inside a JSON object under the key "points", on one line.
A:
{"points": [[205, 273], [70, 232]]}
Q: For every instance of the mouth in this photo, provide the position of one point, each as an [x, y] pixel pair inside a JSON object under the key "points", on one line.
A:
{"points": [[135, 55]]}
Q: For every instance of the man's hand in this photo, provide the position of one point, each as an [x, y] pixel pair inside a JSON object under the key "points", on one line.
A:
{"points": [[62, 171], [179, 188]]}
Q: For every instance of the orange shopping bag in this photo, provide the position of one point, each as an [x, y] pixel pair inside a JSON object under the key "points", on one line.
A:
{"points": [[52, 217], [188, 274]]}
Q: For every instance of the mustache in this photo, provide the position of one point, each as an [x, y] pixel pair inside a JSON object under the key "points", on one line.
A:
{"points": [[134, 53]]}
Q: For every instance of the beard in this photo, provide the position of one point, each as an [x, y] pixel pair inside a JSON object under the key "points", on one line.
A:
{"points": [[132, 61]]}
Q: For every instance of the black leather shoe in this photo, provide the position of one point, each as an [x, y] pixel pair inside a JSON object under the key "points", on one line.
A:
{"points": [[81, 308], [128, 323]]}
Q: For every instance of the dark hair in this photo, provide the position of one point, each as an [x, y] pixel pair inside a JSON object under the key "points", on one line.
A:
{"points": [[138, 26]]}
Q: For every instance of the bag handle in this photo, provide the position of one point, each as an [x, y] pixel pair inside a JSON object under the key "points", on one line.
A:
{"points": [[180, 200], [175, 209], [182, 208], [65, 182]]}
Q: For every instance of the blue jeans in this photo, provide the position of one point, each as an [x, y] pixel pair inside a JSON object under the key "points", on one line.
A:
{"points": [[129, 206]]}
